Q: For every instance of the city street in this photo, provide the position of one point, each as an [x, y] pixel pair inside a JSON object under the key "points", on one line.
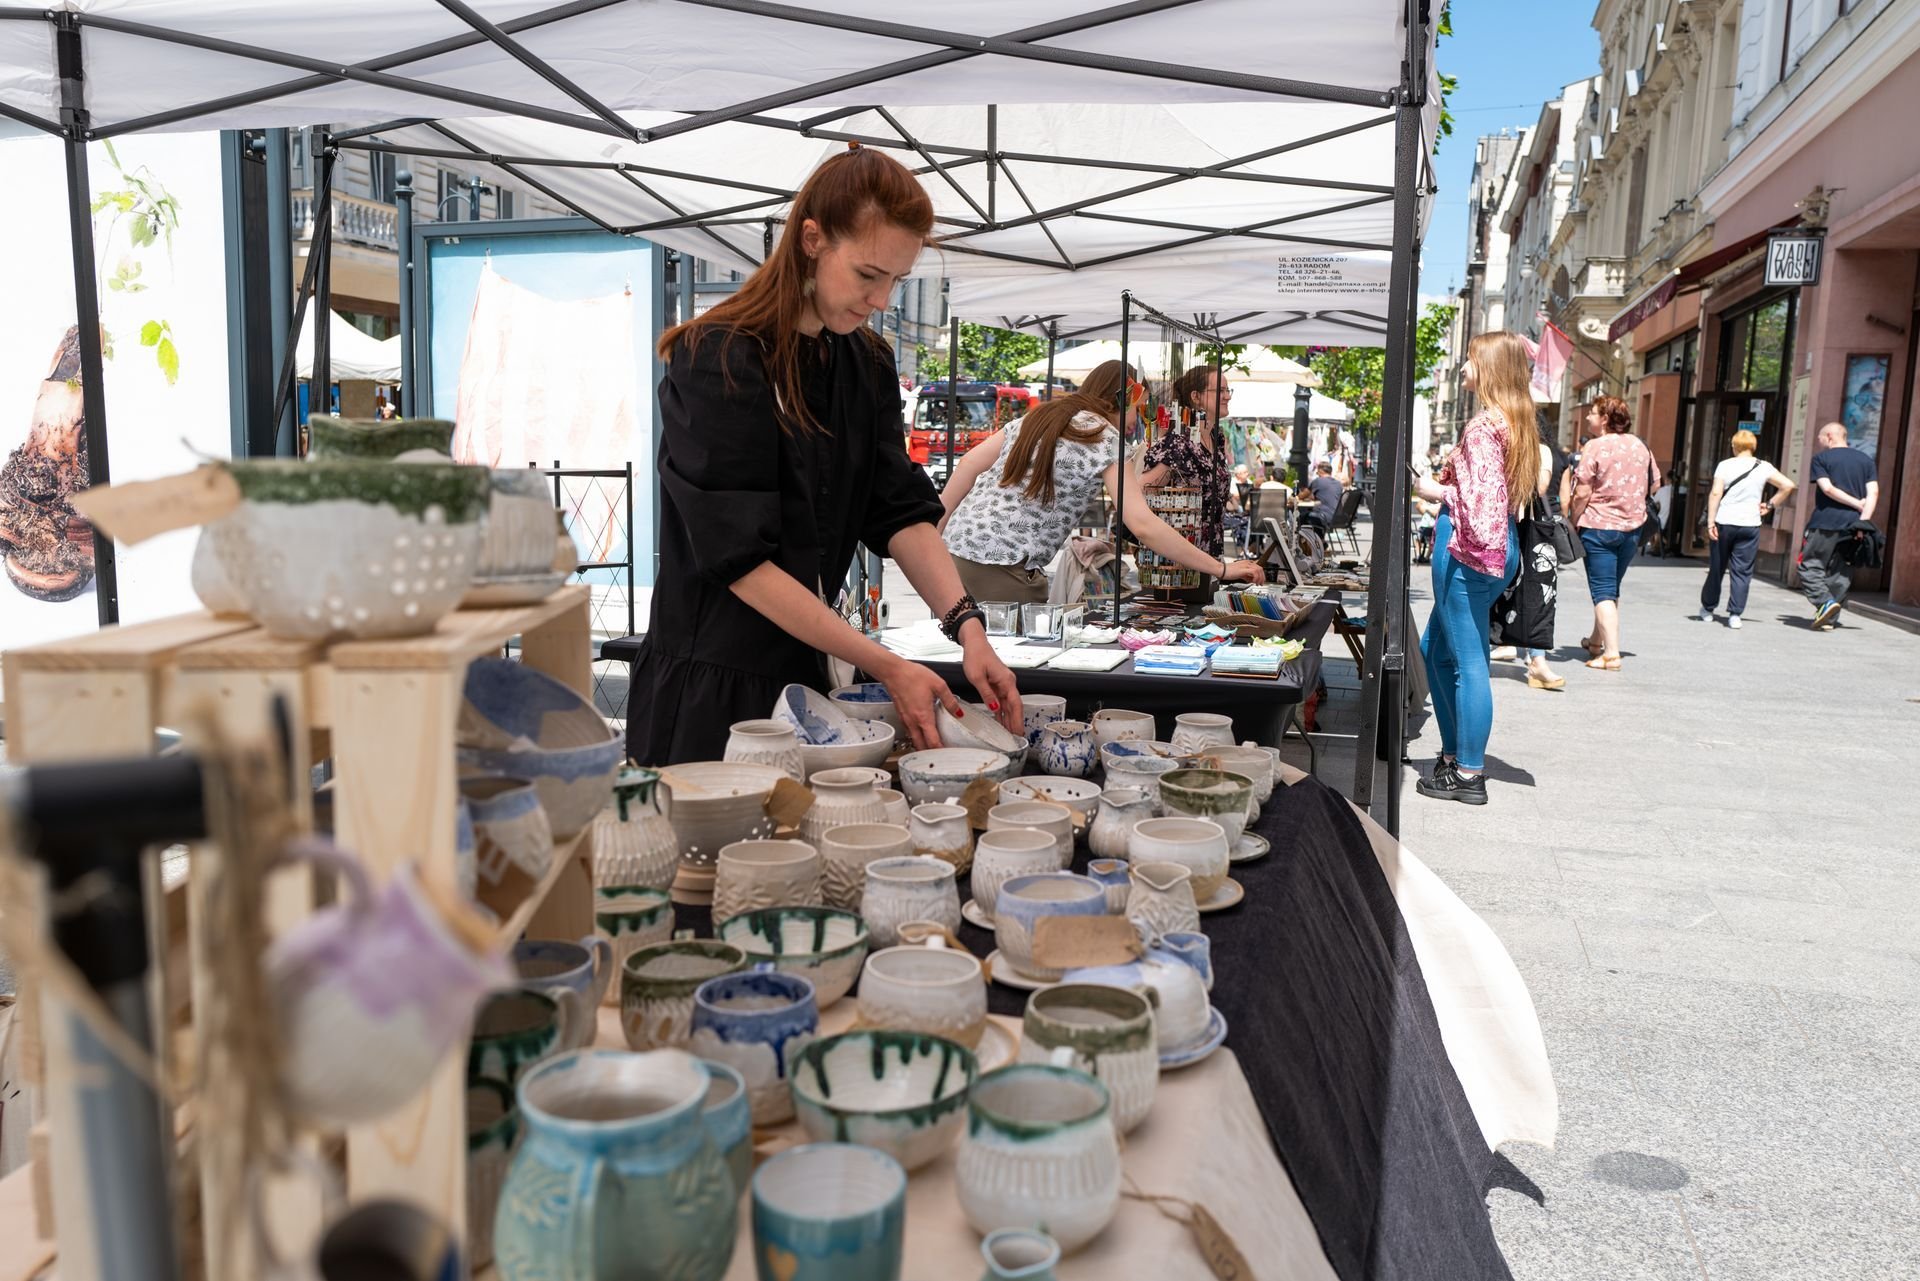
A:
{"points": [[1704, 866]]}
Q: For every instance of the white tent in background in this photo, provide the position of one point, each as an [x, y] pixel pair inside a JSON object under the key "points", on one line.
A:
{"points": [[353, 353], [1275, 400], [1271, 367]]}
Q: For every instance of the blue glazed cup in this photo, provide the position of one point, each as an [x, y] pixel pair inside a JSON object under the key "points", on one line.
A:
{"points": [[1025, 901], [829, 1212], [757, 1023]]}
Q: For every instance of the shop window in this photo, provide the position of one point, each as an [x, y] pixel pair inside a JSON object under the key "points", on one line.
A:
{"points": [[1767, 345]]}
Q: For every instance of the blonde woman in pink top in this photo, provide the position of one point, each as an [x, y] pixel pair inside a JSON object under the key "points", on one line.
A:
{"points": [[1610, 490], [1476, 553]]}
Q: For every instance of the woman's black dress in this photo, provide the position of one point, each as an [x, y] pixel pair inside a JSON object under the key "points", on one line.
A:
{"points": [[737, 488]]}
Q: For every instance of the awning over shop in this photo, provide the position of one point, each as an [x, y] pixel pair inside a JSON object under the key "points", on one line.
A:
{"points": [[1644, 306]]}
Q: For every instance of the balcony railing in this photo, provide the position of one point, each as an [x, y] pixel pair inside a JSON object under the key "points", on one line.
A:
{"points": [[1604, 277], [356, 220]]}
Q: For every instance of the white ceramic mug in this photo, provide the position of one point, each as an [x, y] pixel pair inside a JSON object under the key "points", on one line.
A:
{"points": [[928, 988], [1008, 853], [1040, 1152], [905, 889], [1054, 819]]}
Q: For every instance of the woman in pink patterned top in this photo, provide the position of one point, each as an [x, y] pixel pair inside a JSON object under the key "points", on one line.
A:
{"points": [[1611, 485], [1475, 555]]}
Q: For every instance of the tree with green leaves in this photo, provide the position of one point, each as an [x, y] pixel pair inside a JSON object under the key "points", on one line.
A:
{"points": [[1357, 376], [987, 354]]}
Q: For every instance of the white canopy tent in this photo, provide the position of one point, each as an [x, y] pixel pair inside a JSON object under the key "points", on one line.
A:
{"points": [[355, 354], [1275, 400]]}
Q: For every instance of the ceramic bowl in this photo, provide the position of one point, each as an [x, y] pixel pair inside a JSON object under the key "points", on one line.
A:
{"points": [[712, 804], [520, 722], [845, 853], [868, 702], [353, 548], [898, 811], [1000, 856], [1143, 772], [1074, 793], [1042, 816], [657, 984], [861, 743], [944, 773], [909, 888], [1252, 762], [928, 988], [758, 1023], [1208, 793], [821, 944], [1114, 724], [1197, 843], [1024, 901], [976, 728], [816, 718], [904, 1093], [1143, 749], [522, 524], [510, 827], [753, 875]]}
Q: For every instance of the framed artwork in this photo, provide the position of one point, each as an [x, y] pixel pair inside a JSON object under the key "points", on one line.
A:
{"points": [[1863, 401]]}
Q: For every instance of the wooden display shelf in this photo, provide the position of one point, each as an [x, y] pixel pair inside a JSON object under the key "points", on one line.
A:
{"points": [[385, 711]]}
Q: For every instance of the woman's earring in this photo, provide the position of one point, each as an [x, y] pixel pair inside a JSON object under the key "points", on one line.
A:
{"points": [[806, 287]]}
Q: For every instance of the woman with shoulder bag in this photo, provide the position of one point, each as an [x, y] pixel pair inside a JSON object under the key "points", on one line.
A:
{"points": [[1612, 489], [1736, 505], [1526, 609]]}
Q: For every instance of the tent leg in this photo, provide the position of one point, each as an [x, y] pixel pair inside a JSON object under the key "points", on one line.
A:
{"points": [[403, 233], [1053, 343], [280, 276], [1120, 499], [320, 398], [1384, 676], [953, 388]]}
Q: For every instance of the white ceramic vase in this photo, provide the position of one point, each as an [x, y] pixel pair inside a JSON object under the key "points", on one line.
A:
{"points": [[1196, 731], [908, 889], [766, 742], [633, 844], [841, 797]]}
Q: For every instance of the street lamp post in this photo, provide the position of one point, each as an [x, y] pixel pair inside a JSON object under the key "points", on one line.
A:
{"points": [[1302, 405]]}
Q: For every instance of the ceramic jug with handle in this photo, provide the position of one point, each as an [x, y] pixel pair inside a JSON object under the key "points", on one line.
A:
{"points": [[633, 844]]}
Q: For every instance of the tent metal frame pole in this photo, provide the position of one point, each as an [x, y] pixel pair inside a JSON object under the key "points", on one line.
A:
{"points": [[441, 129], [1120, 449], [284, 401], [86, 301], [320, 381], [403, 226], [274, 144], [1054, 54], [953, 386], [1053, 343], [526, 58], [1383, 680]]}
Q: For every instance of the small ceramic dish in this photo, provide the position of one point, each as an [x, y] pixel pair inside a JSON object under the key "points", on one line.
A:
{"points": [[861, 742], [977, 728], [904, 1093], [821, 944], [933, 776], [868, 702], [523, 723], [816, 719]]}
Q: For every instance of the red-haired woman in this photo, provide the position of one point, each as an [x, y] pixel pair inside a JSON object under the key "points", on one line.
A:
{"points": [[780, 449], [1611, 486]]}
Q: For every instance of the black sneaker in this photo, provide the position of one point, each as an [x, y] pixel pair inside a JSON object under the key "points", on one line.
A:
{"points": [[1454, 786]]}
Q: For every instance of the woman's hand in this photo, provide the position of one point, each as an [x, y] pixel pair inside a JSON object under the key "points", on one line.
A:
{"points": [[1244, 571], [1425, 488], [1713, 530], [987, 674], [915, 692]]}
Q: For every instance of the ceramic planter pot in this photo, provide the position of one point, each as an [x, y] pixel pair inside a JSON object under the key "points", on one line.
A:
{"points": [[841, 797], [868, 702], [943, 774], [928, 988], [518, 722], [1108, 1034], [509, 825], [1195, 732], [574, 974], [629, 919], [757, 1023], [351, 548], [904, 1093], [1066, 748], [905, 889], [823, 945], [1007, 853], [1025, 901], [1120, 809], [1037, 711], [633, 844], [1198, 844], [729, 1120], [512, 1031], [1116, 725], [1040, 1149], [1208, 793], [370, 994], [1159, 899], [1112, 874], [846, 851], [657, 984], [493, 1127], [752, 875], [712, 804], [829, 1212], [766, 742], [1042, 816], [616, 1176], [942, 832]]}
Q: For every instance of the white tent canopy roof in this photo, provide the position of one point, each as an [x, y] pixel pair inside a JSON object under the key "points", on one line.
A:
{"points": [[1155, 357], [1275, 400], [351, 353]]}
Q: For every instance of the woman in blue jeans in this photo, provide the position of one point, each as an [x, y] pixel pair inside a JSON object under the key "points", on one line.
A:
{"points": [[1476, 553], [1611, 485]]}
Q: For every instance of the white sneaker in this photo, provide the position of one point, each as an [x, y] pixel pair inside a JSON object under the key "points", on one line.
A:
{"points": [[1733, 621], [1705, 615], [1504, 653]]}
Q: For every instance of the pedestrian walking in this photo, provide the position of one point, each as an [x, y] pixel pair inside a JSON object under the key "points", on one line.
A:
{"points": [[1475, 555], [1610, 505], [1736, 505], [1849, 490]]}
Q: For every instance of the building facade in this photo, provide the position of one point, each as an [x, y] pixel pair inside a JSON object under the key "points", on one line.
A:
{"points": [[1538, 208], [1480, 304]]}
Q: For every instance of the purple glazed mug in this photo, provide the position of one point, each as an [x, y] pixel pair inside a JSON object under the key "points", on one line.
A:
{"points": [[371, 994]]}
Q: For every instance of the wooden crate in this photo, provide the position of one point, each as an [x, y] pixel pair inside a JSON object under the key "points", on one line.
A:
{"points": [[385, 712]]}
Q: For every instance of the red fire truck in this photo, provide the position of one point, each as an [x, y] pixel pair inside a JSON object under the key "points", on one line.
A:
{"points": [[983, 408]]}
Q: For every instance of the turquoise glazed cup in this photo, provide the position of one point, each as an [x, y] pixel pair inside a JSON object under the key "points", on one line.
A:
{"points": [[729, 1120], [829, 1212], [616, 1178]]}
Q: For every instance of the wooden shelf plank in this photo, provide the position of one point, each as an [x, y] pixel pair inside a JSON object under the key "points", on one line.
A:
{"points": [[515, 925], [142, 646], [461, 636]]}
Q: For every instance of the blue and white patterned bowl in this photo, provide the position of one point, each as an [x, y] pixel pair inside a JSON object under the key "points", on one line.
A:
{"points": [[860, 743], [816, 719], [523, 723], [932, 776], [757, 1023], [868, 702], [904, 1093]]}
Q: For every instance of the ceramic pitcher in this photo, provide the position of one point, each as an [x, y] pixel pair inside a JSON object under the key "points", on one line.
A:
{"points": [[1160, 899], [369, 995], [840, 797], [942, 832], [1019, 1254], [1112, 873], [1120, 809], [1067, 748], [617, 1176], [633, 844]]}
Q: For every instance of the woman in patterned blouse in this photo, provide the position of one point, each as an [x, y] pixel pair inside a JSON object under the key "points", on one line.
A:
{"points": [[1177, 458], [1016, 496]]}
